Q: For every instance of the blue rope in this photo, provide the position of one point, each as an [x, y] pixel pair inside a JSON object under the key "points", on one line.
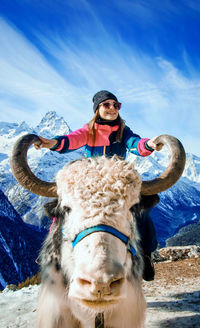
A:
{"points": [[108, 229]]}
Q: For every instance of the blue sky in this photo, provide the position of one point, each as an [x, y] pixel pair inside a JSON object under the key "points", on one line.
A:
{"points": [[55, 54]]}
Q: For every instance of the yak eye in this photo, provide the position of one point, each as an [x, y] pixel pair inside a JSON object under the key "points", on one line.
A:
{"points": [[66, 209]]}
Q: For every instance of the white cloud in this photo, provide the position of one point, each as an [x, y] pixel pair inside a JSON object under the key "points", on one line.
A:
{"points": [[28, 81]]}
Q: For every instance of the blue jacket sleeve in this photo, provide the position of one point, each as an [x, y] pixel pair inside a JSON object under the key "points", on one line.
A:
{"points": [[131, 140], [135, 144]]}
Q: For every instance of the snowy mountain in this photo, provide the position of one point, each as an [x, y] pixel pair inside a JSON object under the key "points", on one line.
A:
{"points": [[43, 163], [179, 206], [19, 245], [52, 125]]}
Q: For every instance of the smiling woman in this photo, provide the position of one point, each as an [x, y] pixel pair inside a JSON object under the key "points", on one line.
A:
{"points": [[106, 134]]}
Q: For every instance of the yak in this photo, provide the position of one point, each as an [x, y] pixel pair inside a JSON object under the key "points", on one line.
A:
{"points": [[91, 263]]}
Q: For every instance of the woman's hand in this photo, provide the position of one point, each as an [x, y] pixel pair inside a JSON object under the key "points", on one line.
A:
{"points": [[45, 143], [151, 143]]}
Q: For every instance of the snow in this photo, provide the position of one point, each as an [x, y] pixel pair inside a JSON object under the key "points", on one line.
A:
{"points": [[194, 217], [173, 305], [18, 307]]}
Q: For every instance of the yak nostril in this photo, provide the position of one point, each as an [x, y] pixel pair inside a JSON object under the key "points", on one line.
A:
{"points": [[100, 288], [84, 282], [116, 283]]}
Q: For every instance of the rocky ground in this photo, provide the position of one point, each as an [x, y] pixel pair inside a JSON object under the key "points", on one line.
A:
{"points": [[173, 298]]}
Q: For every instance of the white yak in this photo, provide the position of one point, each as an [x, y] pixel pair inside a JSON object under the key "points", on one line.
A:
{"points": [[99, 274], [91, 263]]}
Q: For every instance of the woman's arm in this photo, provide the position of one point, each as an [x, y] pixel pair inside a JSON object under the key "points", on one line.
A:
{"points": [[139, 146], [65, 143]]}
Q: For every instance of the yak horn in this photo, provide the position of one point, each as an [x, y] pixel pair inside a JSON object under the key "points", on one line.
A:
{"points": [[29, 181], [174, 170], [22, 172]]}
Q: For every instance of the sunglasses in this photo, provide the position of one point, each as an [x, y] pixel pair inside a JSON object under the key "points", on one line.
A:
{"points": [[108, 105]]}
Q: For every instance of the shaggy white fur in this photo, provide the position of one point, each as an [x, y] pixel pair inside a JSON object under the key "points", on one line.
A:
{"points": [[98, 191], [98, 183]]}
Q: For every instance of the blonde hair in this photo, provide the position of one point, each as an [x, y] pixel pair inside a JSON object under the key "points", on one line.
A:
{"points": [[91, 125]]}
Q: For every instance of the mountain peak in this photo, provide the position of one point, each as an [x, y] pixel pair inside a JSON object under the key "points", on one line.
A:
{"points": [[51, 125], [13, 129], [51, 115]]}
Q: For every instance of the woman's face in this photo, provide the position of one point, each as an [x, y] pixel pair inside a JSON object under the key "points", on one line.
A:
{"points": [[108, 109]]}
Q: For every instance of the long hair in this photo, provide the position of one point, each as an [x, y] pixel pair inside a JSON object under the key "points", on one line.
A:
{"points": [[92, 127]]}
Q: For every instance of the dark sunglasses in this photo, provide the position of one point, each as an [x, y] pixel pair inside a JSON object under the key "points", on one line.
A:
{"points": [[107, 105]]}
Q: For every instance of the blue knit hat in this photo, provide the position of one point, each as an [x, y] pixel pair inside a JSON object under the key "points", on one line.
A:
{"points": [[101, 96]]}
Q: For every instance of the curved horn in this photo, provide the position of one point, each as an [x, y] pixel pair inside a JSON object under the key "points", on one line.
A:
{"points": [[22, 172], [174, 170], [29, 181]]}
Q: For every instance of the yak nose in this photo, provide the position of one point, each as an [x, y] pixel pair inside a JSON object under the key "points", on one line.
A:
{"points": [[101, 287]]}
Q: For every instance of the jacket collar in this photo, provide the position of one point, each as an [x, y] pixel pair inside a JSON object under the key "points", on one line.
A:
{"points": [[106, 127]]}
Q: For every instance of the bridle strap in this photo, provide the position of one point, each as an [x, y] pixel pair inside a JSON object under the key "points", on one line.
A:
{"points": [[108, 229]]}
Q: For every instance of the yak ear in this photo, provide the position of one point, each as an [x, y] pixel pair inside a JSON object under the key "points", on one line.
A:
{"points": [[148, 202], [51, 208]]}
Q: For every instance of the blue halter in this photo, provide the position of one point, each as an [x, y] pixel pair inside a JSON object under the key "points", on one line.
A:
{"points": [[108, 229]]}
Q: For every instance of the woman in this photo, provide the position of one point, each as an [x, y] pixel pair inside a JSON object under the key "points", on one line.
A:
{"points": [[106, 134]]}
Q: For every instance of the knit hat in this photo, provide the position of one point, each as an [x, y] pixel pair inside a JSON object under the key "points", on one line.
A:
{"points": [[101, 96]]}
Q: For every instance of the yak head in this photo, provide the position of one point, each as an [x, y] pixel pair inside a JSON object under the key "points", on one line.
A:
{"points": [[94, 193]]}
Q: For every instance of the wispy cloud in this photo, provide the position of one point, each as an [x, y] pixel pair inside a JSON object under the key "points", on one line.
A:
{"points": [[28, 81], [155, 93]]}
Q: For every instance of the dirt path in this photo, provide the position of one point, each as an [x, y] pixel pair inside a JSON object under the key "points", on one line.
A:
{"points": [[173, 298]]}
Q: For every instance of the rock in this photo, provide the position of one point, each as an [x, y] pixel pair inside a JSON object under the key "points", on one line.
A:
{"points": [[10, 287], [176, 253]]}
